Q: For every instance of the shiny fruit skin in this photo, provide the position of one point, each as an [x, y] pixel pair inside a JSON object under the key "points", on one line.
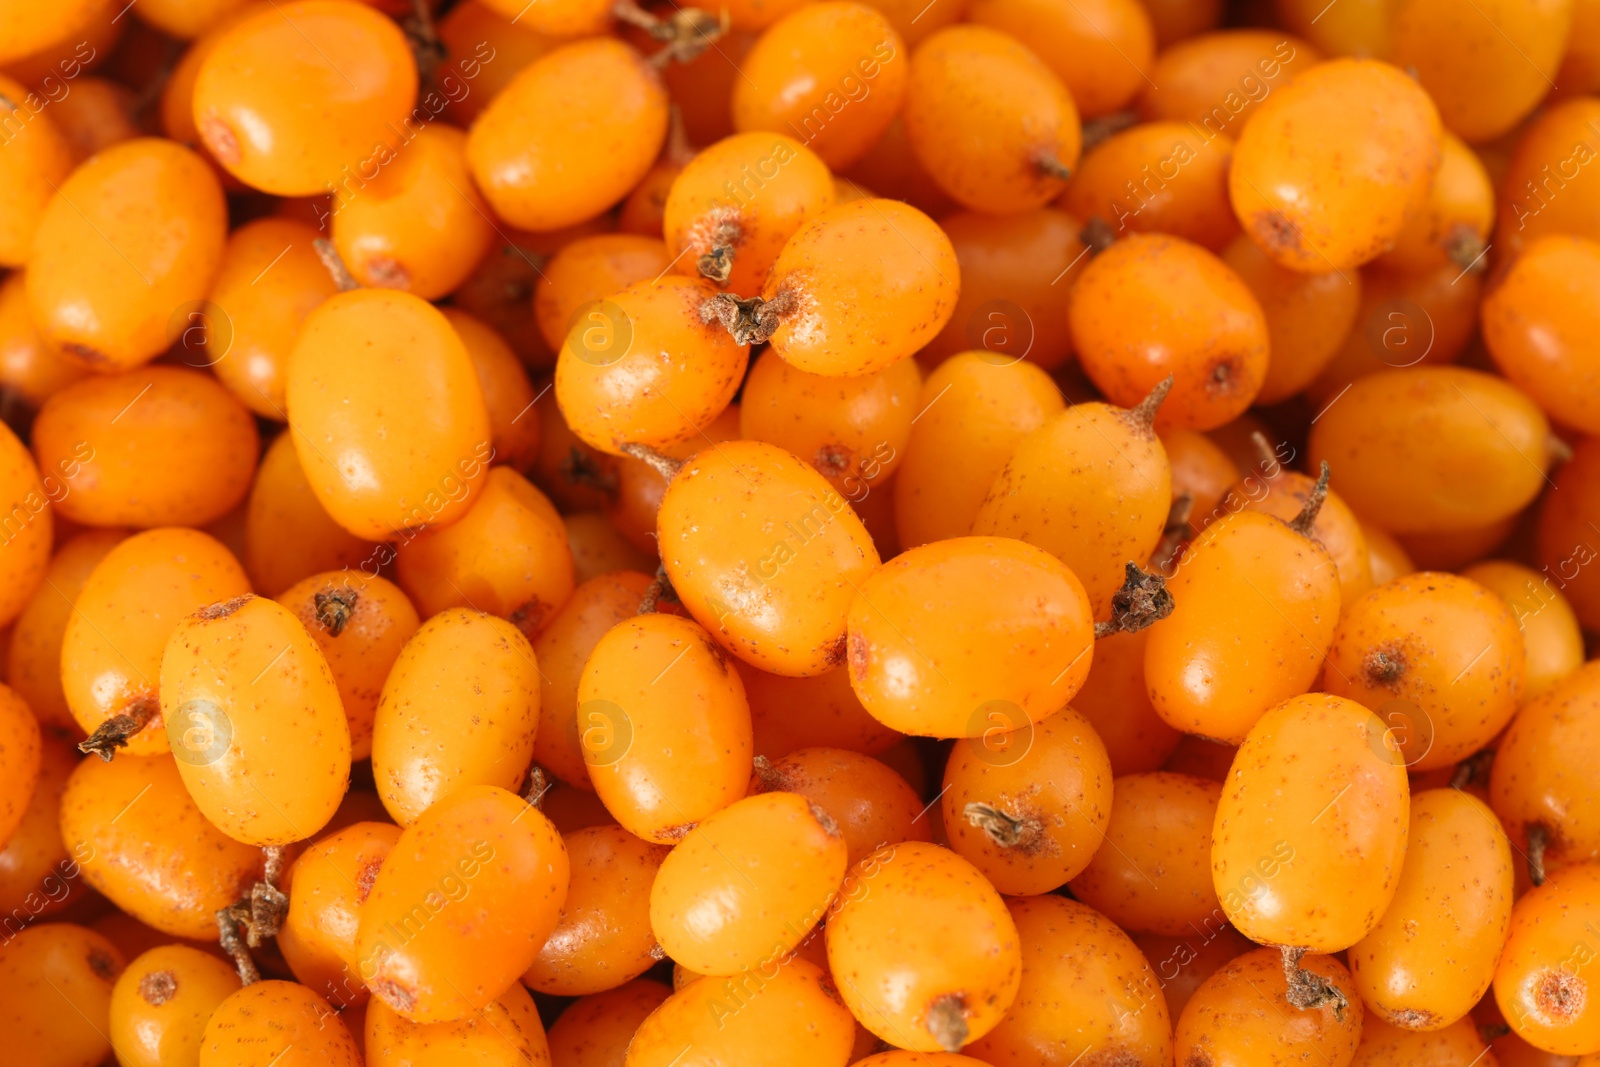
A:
{"points": [[160, 1004], [506, 1033], [1456, 1045], [1551, 637], [745, 886], [1117, 704], [784, 1015], [130, 604], [775, 595], [30, 524], [1433, 953], [1091, 460], [636, 734], [1565, 542], [1557, 146], [922, 948], [246, 668], [1272, 865], [56, 982], [604, 937], [1153, 306], [135, 233], [589, 269], [156, 446], [1218, 79], [29, 365], [594, 1031], [1548, 967], [34, 863], [972, 414], [1277, 491], [866, 284], [1437, 657], [1179, 184], [334, 126], [1013, 628], [141, 840], [375, 351], [787, 714], [534, 152], [460, 708], [1048, 792], [38, 159], [1086, 990], [327, 884], [1541, 773], [282, 500], [1225, 1023], [1434, 449], [1255, 605], [20, 757], [491, 873], [277, 1015], [1329, 167], [1099, 49], [871, 803], [1456, 223]]}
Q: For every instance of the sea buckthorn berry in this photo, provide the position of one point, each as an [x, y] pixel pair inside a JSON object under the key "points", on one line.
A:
{"points": [[926, 653], [289, 536], [1538, 322], [34, 864], [1201, 469], [1256, 602], [134, 234], [1158, 177], [37, 160], [870, 803], [1248, 1013], [1457, 1044], [588, 270], [130, 604], [269, 281], [834, 72], [19, 760], [1284, 493], [460, 708], [788, 714], [599, 548], [57, 980], [561, 649], [1028, 805], [1403, 443], [1183, 963], [245, 688], [462, 905], [29, 524], [95, 115], [637, 734], [160, 1004], [506, 1033], [853, 430], [774, 595], [1550, 634], [361, 356], [277, 1015], [992, 123], [1433, 953], [480, 38], [26, 29], [1541, 784], [140, 839], [1114, 1008], [604, 937], [1218, 79], [594, 1031], [786, 1014], [1099, 49], [1329, 168], [508, 556], [572, 809], [1117, 704], [420, 225], [1308, 315], [1546, 973], [157, 446], [360, 623], [1548, 187], [1580, 66], [1387, 556], [536, 150], [30, 366], [1153, 306], [922, 948], [1015, 270], [646, 367], [1155, 871], [335, 125], [1438, 658], [747, 884], [639, 483], [1453, 226], [972, 414], [1091, 460], [1290, 831], [1566, 544], [327, 885], [902, 1058], [1511, 47], [858, 288]]}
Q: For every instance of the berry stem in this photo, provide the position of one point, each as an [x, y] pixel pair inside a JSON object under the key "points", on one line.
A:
{"points": [[580, 468], [116, 731], [665, 466], [1174, 533], [538, 786], [1538, 838], [1052, 167], [751, 320], [230, 921], [1307, 989], [1097, 130], [335, 265], [1144, 412], [1303, 522], [767, 774], [660, 589], [1472, 769], [1142, 601], [334, 609], [1005, 830], [1097, 234]]}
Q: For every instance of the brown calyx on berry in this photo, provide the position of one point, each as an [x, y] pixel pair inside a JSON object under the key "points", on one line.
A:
{"points": [[334, 608], [1308, 989], [751, 320], [119, 729], [1142, 601], [1303, 522]]}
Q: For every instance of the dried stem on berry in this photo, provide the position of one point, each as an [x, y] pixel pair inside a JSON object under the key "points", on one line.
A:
{"points": [[229, 925], [665, 466], [250, 920], [423, 36], [1174, 534], [1465, 249], [334, 609], [1052, 167], [1143, 414], [1097, 130], [658, 590], [1097, 234], [1474, 768], [1307, 989], [1142, 601], [1303, 522], [116, 731], [767, 775], [751, 320], [1558, 450], [579, 468], [1007, 831], [538, 786], [1538, 839], [947, 1021], [335, 265], [687, 33]]}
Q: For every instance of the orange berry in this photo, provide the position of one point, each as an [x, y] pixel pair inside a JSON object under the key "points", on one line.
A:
{"points": [[1548, 187], [1098, 48], [591, 269], [594, 1031], [35, 867], [1550, 634], [55, 995], [822, 711], [1217, 80], [327, 885], [25, 498], [1541, 983], [37, 160], [1537, 320], [278, 1015], [1243, 1014], [289, 536], [1158, 177], [505, 1033], [869, 802], [160, 1004]]}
